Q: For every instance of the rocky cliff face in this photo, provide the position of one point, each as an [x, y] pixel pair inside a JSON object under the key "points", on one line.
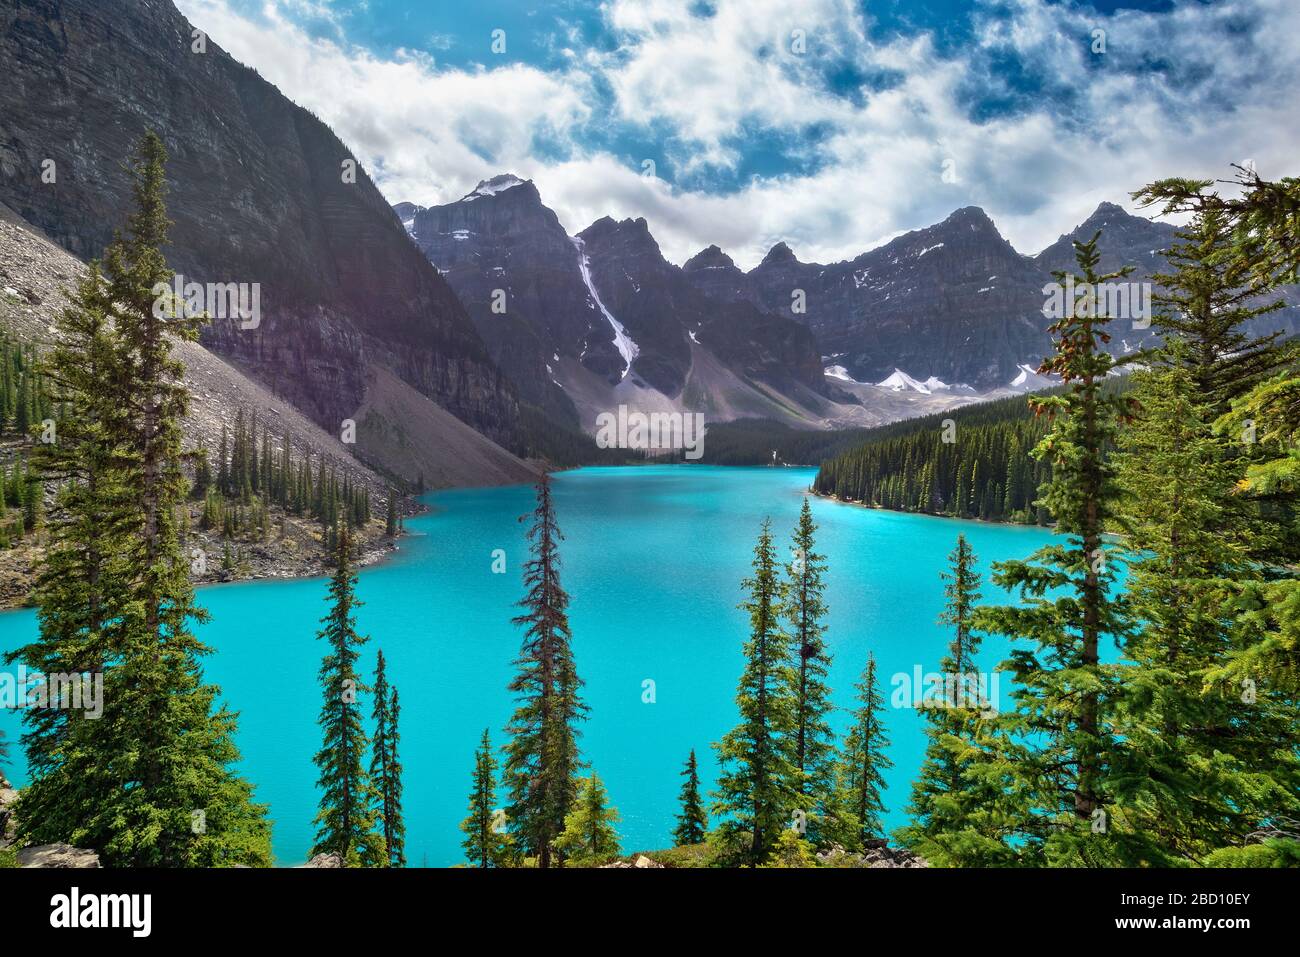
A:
{"points": [[517, 272], [259, 194], [603, 307], [954, 301]]}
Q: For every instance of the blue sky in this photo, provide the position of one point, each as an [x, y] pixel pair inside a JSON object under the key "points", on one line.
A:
{"points": [[831, 125]]}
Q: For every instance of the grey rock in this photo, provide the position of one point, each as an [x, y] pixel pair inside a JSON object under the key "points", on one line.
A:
{"points": [[57, 855]]}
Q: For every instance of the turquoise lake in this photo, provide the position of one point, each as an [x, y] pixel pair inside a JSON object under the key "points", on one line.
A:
{"points": [[653, 560]]}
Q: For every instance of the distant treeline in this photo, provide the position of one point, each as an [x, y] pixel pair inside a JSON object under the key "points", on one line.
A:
{"points": [[752, 442], [972, 462]]}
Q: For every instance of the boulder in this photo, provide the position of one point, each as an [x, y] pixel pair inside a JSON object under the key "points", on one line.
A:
{"points": [[324, 860], [57, 855]]}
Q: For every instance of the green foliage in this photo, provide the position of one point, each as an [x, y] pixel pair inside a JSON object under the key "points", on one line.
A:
{"points": [[791, 850], [485, 844], [346, 820], [542, 758], [148, 782], [978, 466], [386, 767], [804, 609], [948, 795], [1058, 744], [589, 835], [693, 822], [758, 789], [252, 476], [864, 761]]}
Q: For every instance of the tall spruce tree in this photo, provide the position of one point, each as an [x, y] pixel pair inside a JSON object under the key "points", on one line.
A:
{"points": [[865, 757], [542, 758], [386, 768], [949, 792], [486, 843], [1202, 764], [149, 782], [693, 822], [346, 821], [804, 608], [758, 789], [1058, 743]]}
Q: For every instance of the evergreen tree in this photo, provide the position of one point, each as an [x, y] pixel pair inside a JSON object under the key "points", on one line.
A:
{"points": [[589, 833], [542, 758], [1200, 765], [758, 789], [390, 520], [385, 769], [865, 760], [149, 782], [805, 609], [949, 793], [1058, 743], [346, 820], [693, 822], [486, 844]]}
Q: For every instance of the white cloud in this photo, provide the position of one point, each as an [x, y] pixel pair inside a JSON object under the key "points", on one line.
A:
{"points": [[1099, 129]]}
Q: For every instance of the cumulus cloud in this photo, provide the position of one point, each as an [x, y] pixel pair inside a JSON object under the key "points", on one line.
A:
{"points": [[1187, 92]]}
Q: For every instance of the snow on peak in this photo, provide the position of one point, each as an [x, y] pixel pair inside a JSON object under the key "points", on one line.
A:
{"points": [[900, 381], [490, 187]]}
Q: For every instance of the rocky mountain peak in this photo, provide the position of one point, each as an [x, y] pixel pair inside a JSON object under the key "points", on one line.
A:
{"points": [[505, 188], [630, 237], [778, 255], [709, 258]]}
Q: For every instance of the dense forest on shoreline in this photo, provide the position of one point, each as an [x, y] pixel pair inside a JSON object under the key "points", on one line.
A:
{"points": [[972, 462]]}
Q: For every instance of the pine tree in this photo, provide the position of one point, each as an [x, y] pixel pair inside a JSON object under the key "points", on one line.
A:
{"points": [[865, 760], [486, 843], [589, 833], [804, 609], [758, 789], [1059, 742], [346, 820], [693, 822], [1200, 765], [168, 797], [390, 520], [949, 792], [542, 758], [385, 769]]}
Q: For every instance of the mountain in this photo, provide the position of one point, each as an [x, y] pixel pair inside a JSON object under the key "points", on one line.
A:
{"points": [[953, 301], [34, 272], [260, 192], [1128, 240], [584, 323]]}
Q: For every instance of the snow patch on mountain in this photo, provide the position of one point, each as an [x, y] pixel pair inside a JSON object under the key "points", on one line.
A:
{"points": [[900, 381], [1028, 378], [628, 349]]}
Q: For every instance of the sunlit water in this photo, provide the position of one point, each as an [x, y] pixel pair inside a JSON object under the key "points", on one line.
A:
{"points": [[653, 558]]}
